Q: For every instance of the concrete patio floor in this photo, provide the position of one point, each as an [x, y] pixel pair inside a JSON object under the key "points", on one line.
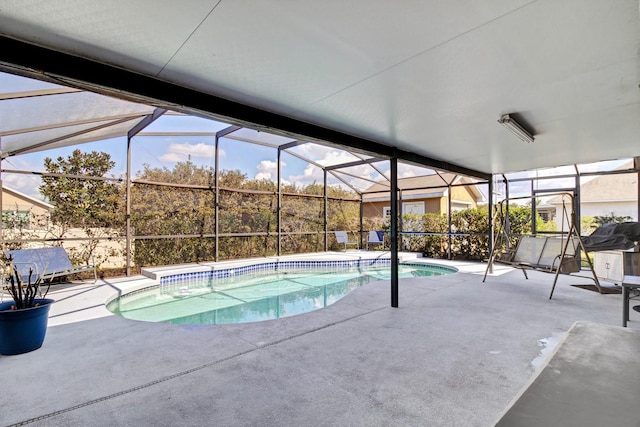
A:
{"points": [[455, 353]]}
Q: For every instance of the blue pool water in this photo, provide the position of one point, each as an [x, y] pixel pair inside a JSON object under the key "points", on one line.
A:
{"points": [[254, 297]]}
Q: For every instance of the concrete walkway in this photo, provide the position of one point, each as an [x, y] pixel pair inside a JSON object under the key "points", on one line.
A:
{"points": [[455, 353]]}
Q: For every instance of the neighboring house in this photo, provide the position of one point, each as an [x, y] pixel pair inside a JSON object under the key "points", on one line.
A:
{"points": [[606, 195], [423, 194], [546, 211], [20, 210]]}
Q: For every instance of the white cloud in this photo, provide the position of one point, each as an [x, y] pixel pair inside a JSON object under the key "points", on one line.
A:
{"points": [[27, 184], [23, 183], [313, 151], [181, 152], [267, 169], [328, 156], [408, 171], [310, 175]]}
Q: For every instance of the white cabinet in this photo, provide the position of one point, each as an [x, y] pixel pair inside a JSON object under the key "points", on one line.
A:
{"points": [[612, 266]]}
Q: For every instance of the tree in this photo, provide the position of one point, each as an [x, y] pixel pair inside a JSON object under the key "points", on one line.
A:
{"points": [[610, 219], [81, 202], [92, 205], [173, 211]]}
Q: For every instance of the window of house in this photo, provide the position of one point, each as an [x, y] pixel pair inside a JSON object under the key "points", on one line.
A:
{"points": [[407, 208], [413, 208], [459, 206]]}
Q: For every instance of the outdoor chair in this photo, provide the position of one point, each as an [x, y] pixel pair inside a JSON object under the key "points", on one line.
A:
{"points": [[343, 239], [543, 254], [46, 263], [376, 238], [547, 254]]}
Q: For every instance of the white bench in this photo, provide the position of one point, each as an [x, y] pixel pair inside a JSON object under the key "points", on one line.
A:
{"points": [[46, 263]]}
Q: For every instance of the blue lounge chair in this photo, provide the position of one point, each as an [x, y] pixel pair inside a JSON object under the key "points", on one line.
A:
{"points": [[376, 238]]}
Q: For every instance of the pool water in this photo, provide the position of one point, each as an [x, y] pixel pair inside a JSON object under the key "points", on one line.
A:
{"points": [[255, 297]]}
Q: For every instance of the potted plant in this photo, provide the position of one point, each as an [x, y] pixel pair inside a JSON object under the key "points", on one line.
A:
{"points": [[23, 321]]}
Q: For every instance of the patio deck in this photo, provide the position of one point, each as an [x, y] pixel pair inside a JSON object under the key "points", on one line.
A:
{"points": [[455, 353]]}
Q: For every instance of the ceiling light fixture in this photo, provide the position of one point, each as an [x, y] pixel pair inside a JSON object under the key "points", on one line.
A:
{"points": [[515, 127]]}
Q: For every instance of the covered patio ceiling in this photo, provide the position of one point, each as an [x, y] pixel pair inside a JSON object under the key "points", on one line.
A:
{"points": [[425, 81]]}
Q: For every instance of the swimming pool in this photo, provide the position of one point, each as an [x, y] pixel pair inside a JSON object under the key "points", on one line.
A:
{"points": [[254, 294]]}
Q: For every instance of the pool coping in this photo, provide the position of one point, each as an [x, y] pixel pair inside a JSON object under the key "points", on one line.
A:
{"points": [[158, 273]]}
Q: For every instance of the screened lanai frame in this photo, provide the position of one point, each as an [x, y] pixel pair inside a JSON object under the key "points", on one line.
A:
{"points": [[131, 119], [550, 180], [339, 171]]}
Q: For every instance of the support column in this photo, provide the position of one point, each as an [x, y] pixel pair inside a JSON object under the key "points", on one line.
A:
{"points": [[279, 201], [636, 165], [394, 231], [507, 222], [490, 218], [216, 197], [128, 209], [362, 242], [449, 238], [326, 214], [400, 226], [533, 210]]}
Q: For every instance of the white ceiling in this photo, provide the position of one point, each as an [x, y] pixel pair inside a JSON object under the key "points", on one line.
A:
{"points": [[427, 76]]}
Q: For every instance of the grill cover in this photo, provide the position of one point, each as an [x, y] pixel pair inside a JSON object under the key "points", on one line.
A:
{"points": [[613, 237]]}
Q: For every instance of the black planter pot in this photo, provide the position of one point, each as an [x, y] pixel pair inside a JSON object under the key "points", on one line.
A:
{"points": [[24, 330]]}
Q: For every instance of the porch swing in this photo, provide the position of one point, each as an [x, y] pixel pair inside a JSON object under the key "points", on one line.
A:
{"points": [[554, 254]]}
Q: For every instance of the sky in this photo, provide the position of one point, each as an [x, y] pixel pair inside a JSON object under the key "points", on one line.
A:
{"points": [[255, 161]]}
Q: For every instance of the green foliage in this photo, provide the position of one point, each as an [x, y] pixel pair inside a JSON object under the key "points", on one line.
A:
{"points": [[469, 228], [587, 225], [82, 202], [542, 225], [247, 215], [173, 211], [95, 206], [246, 207], [519, 219], [469, 232], [610, 219], [473, 224]]}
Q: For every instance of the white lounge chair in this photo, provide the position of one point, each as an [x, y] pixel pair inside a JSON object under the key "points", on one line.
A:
{"points": [[343, 239]]}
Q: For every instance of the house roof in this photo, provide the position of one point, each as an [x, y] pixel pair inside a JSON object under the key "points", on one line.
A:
{"points": [[29, 199], [605, 188], [435, 185]]}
